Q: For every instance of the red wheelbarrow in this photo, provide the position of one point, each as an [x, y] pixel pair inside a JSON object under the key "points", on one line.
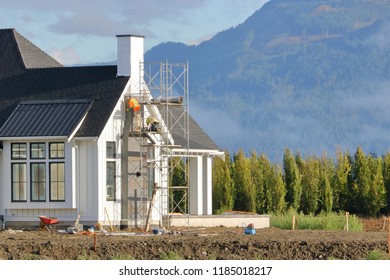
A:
{"points": [[47, 222]]}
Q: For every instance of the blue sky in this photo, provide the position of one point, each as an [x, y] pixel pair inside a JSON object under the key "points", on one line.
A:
{"points": [[75, 31]]}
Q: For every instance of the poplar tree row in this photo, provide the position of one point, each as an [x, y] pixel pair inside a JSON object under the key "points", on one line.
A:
{"points": [[359, 183]]}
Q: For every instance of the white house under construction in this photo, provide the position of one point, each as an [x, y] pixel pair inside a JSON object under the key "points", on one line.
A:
{"points": [[98, 142]]}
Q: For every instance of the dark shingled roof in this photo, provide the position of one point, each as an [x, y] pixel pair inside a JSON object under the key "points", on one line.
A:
{"points": [[18, 54], [54, 118], [198, 139], [48, 81], [33, 57]]}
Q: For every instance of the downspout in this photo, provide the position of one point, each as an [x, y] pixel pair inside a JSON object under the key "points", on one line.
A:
{"points": [[77, 170]]}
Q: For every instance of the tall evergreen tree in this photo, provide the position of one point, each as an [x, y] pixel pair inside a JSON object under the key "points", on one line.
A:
{"points": [[245, 191], [340, 187], [276, 190], [223, 192], [361, 185], [386, 179], [266, 206], [310, 185], [292, 179], [257, 175], [326, 192], [376, 198]]}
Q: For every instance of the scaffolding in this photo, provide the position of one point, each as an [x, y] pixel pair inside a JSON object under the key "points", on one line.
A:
{"points": [[158, 130]]}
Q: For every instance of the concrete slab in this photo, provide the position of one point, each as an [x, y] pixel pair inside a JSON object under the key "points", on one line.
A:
{"points": [[259, 221]]}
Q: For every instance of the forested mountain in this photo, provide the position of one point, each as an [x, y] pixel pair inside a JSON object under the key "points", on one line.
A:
{"points": [[310, 75]]}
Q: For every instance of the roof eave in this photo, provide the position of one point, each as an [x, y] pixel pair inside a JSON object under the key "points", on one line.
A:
{"points": [[31, 138]]}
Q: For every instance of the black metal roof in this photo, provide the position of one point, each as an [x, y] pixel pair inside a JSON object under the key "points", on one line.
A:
{"points": [[43, 118]]}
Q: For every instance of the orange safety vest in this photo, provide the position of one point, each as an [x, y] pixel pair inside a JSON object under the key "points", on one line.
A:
{"points": [[133, 104]]}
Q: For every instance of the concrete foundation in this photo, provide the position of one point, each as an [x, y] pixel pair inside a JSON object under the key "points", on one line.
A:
{"points": [[259, 221]]}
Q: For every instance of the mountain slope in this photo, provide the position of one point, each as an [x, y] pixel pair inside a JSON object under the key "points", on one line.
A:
{"points": [[311, 75]]}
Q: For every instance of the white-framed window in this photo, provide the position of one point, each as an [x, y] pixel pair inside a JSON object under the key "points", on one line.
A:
{"points": [[110, 171], [40, 168]]}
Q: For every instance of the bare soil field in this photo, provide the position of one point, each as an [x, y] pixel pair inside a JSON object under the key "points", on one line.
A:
{"points": [[219, 243]]}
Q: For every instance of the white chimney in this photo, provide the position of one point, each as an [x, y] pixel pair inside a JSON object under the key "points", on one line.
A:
{"points": [[130, 53]]}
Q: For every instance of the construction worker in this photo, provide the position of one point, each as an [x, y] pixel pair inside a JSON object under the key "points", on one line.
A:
{"points": [[133, 104]]}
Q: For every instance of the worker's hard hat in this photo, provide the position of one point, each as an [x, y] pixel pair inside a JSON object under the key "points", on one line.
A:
{"points": [[133, 104]]}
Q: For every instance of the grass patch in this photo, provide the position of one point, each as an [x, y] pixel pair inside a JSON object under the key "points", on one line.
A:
{"points": [[331, 221], [378, 255], [171, 255], [85, 256], [122, 257]]}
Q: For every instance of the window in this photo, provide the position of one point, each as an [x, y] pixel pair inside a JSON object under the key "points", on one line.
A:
{"points": [[35, 175], [111, 185], [19, 182], [18, 151], [57, 181], [38, 181], [110, 149], [57, 150], [38, 172], [38, 150]]}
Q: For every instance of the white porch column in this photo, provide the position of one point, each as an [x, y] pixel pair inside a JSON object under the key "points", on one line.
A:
{"points": [[196, 190], [207, 186]]}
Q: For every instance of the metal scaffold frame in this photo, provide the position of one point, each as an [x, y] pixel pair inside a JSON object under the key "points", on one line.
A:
{"points": [[163, 94]]}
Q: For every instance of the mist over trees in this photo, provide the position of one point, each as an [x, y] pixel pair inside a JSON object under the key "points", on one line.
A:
{"points": [[358, 183], [311, 75]]}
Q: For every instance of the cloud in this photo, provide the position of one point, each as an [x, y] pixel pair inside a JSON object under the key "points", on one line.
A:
{"points": [[381, 39], [66, 56], [85, 24]]}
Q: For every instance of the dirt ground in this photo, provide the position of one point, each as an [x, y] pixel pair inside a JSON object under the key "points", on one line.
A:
{"points": [[219, 243]]}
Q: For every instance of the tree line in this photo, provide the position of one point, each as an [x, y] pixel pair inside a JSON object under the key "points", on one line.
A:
{"points": [[358, 183]]}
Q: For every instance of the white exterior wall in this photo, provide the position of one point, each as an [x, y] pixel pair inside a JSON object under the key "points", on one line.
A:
{"points": [[87, 180], [2, 184]]}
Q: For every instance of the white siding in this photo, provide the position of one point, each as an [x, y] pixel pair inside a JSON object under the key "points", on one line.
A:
{"points": [[2, 193], [88, 180]]}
